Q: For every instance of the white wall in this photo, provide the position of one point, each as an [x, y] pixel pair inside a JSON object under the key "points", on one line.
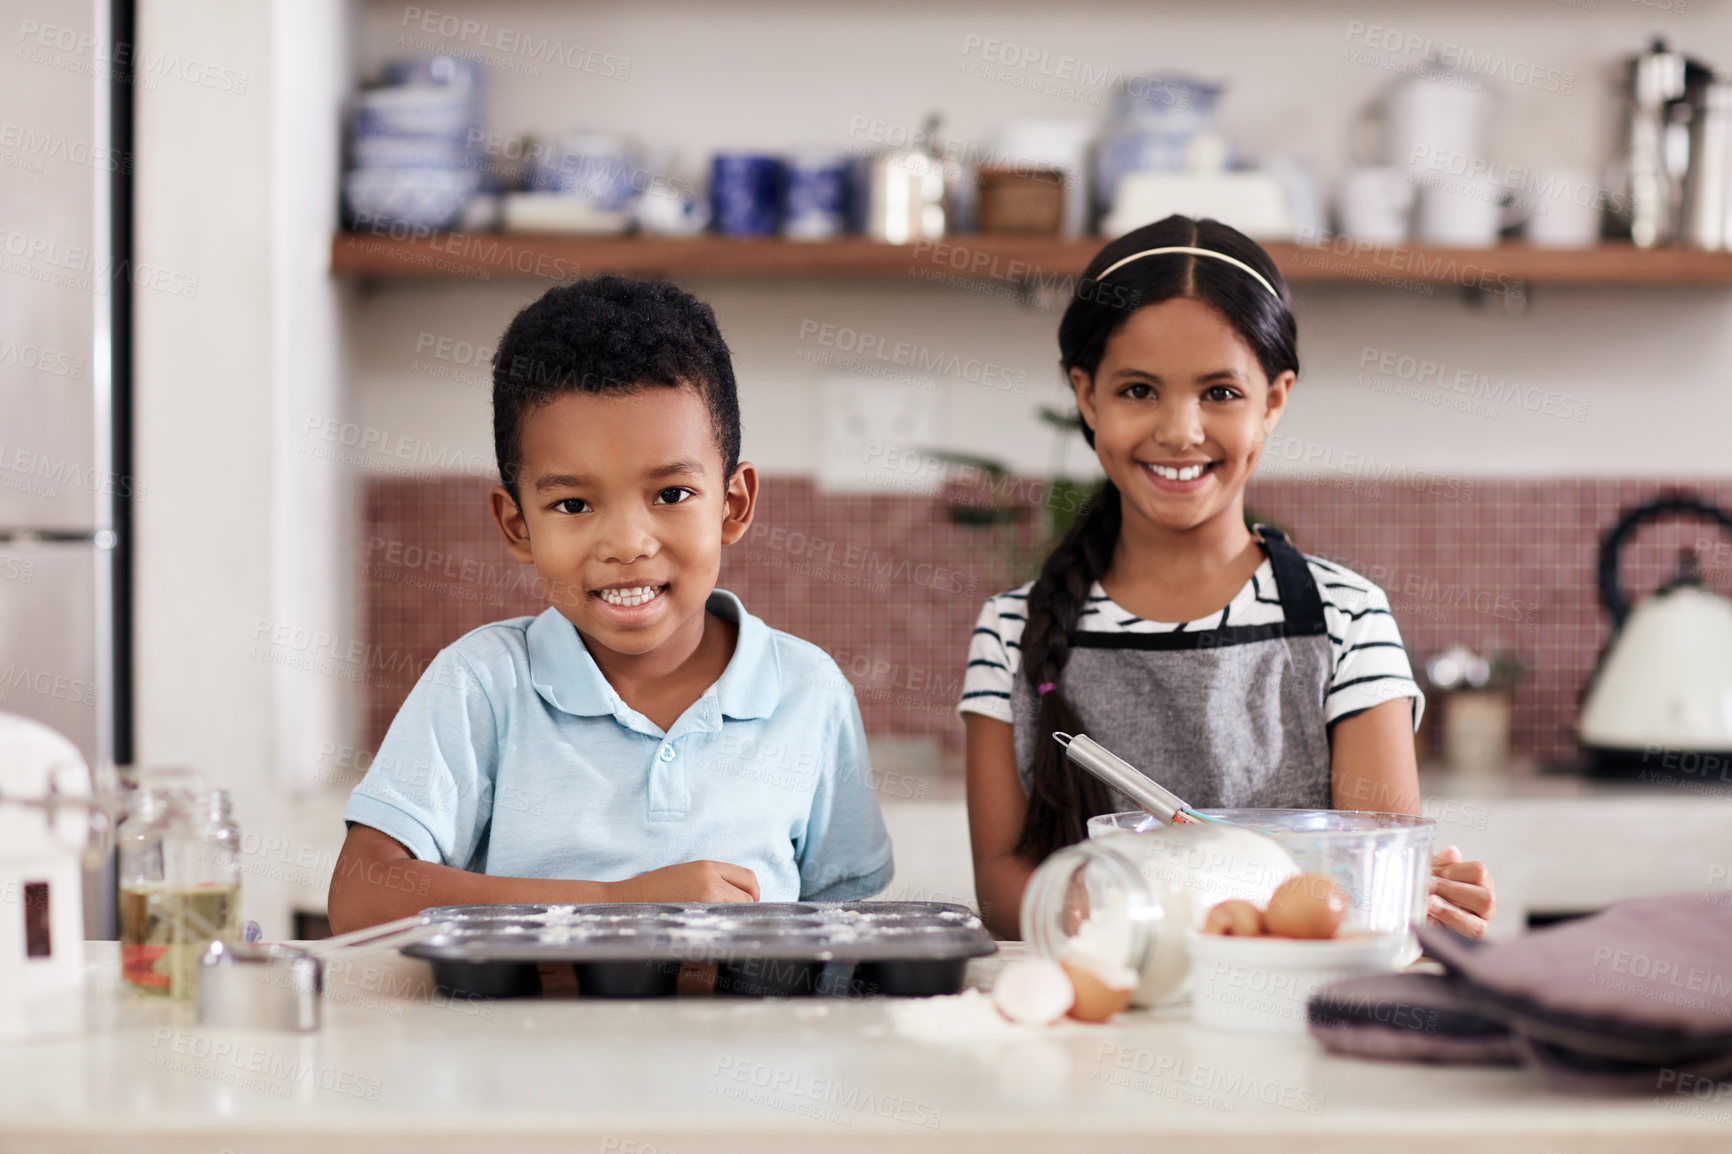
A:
{"points": [[232, 189], [1647, 365]]}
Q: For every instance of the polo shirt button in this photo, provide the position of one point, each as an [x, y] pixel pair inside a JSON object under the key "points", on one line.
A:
{"points": [[667, 753]]}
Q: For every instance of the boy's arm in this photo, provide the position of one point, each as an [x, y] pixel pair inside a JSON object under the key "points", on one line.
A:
{"points": [[378, 880]]}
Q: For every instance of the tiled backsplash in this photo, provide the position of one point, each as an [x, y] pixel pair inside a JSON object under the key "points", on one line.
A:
{"points": [[890, 586]]}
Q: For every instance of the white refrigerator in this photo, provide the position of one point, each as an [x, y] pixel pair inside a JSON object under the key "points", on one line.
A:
{"points": [[64, 471]]}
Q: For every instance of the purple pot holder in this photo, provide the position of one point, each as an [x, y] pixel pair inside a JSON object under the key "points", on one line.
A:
{"points": [[1636, 998]]}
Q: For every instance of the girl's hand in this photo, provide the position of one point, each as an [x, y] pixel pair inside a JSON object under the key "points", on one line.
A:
{"points": [[1461, 896]]}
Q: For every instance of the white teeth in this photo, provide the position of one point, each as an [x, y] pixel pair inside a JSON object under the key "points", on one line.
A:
{"points": [[1188, 473], [631, 598]]}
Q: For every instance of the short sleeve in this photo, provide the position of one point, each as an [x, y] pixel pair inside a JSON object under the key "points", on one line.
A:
{"points": [[986, 682], [846, 853], [1371, 664], [431, 785]]}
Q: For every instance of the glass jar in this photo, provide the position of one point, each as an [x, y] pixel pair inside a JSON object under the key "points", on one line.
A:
{"points": [[1128, 898], [179, 875]]}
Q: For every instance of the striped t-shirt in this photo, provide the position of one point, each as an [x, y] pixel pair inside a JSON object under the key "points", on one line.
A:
{"points": [[1369, 664]]}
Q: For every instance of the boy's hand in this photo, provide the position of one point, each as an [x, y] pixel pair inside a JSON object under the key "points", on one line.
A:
{"points": [[692, 881], [1461, 895]]}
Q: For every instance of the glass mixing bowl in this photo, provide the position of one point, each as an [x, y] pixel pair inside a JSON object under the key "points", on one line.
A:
{"points": [[1381, 861]]}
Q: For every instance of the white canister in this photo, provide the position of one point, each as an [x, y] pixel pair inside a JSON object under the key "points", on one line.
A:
{"points": [[1441, 113], [1459, 211], [1563, 207], [1376, 204]]}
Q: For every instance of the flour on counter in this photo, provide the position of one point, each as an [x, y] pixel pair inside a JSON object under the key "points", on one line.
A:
{"points": [[968, 1019]]}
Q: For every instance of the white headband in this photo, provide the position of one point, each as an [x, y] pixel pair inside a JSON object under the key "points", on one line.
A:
{"points": [[1255, 275]]}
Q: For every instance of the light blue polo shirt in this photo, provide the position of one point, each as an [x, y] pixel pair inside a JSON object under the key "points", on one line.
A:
{"points": [[513, 756]]}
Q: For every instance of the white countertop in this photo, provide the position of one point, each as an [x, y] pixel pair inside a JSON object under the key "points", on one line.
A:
{"points": [[392, 1069]]}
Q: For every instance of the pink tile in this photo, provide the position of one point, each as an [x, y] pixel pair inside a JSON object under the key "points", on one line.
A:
{"points": [[891, 587]]}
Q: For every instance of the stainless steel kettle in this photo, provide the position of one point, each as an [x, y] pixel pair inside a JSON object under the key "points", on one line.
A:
{"points": [[1660, 704]]}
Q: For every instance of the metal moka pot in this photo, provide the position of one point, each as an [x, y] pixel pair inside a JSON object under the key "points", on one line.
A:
{"points": [[909, 193]]}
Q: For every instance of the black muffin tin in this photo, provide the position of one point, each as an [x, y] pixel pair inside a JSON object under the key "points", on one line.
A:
{"points": [[763, 949]]}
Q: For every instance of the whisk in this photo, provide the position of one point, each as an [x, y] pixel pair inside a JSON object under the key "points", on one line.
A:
{"points": [[1166, 806]]}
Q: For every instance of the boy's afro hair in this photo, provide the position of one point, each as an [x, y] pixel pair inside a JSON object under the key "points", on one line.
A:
{"points": [[610, 334]]}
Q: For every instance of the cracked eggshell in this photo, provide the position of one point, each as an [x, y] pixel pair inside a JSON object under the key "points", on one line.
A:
{"points": [[1102, 988], [1033, 992]]}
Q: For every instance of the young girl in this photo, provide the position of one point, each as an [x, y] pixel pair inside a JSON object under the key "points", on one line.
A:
{"points": [[1234, 670]]}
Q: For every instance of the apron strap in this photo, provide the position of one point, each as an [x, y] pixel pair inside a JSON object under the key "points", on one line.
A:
{"points": [[1301, 603]]}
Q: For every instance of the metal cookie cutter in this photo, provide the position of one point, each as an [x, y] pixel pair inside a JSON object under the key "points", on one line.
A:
{"points": [[254, 986]]}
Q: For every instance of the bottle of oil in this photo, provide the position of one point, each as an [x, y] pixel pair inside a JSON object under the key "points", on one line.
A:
{"points": [[179, 881]]}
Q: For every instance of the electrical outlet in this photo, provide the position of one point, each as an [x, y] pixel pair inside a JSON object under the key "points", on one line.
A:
{"points": [[878, 437]]}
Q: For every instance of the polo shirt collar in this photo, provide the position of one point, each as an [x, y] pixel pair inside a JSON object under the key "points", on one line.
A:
{"points": [[567, 677], [751, 685]]}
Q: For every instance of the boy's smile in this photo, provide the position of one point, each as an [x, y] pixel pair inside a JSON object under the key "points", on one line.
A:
{"points": [[623, 511]]}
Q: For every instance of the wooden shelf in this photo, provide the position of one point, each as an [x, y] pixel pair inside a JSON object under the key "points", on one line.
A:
{"points": [[1037, 261]]}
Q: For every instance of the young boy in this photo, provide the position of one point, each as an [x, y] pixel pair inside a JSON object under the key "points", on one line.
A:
{"points": [[644, 738]]}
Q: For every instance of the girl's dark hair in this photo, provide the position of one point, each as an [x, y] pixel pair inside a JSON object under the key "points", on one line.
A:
{"points": [[1062, 797]]}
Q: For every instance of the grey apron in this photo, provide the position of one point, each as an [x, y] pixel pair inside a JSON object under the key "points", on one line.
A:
{"points": [[1230, 717]]}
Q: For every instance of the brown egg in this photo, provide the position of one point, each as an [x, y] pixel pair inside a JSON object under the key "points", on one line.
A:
{"points": [[1102, 989], [1235, 919], [1305, 906]]}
